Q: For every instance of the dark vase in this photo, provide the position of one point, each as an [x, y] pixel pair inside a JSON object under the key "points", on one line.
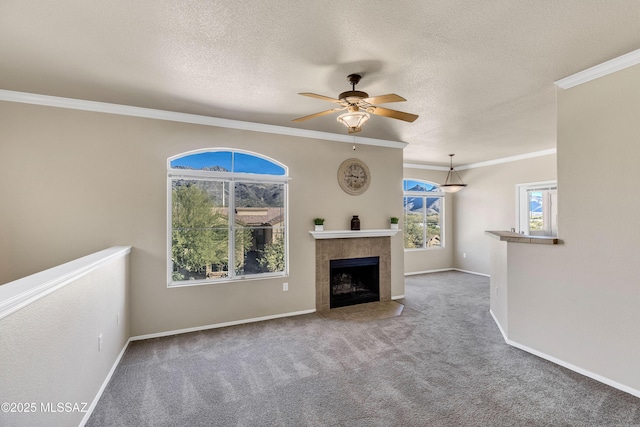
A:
{"points": [[355, 223]]}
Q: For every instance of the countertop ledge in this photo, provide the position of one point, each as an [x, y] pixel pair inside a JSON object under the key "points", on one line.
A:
{"points": [[510, 236]]}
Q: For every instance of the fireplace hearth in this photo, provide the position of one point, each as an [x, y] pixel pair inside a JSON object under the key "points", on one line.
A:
{"points": [[354, 281]]}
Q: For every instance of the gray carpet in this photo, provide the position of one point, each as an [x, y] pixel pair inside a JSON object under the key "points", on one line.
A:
{"points": [[442, 362]]}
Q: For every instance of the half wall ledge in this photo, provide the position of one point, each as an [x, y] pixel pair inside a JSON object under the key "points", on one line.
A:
{"points": [[510, 236], [22, 292]]}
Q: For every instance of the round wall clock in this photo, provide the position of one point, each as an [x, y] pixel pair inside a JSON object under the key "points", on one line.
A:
{"points": [[354, 177]]}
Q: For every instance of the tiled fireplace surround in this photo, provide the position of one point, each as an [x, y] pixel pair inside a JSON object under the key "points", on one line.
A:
{"points": [[358, 247]]}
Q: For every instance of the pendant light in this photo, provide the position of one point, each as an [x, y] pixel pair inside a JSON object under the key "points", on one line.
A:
{"points": [[449, 185]]}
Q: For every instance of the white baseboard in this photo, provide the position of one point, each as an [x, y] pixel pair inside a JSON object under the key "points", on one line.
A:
{"points": [[397, 297], [415, 273], [471, 272], [495, 319], [570, 366], [87, 415], [219, 325]]}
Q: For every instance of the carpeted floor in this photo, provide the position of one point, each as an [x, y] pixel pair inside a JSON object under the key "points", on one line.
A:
{"points": [[440, 362]]}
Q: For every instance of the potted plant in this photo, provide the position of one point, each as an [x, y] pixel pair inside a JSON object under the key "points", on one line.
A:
{"points": [[394, 223], [319, 222]]}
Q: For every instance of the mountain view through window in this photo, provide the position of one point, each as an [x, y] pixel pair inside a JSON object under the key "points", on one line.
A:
{"points": [[228, 217]]}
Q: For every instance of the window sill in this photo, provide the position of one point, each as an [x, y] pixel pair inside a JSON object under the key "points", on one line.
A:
{"points": [[433, 248], [189, 283]]}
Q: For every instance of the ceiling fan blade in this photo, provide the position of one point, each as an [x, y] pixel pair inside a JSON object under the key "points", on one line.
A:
{"points": [[324, 98], [322, 113], [383, 99], [400, 115]]}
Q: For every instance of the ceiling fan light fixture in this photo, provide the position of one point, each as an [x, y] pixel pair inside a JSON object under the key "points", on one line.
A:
{"points": [[359, 105], [354, 119], [450, 186]]}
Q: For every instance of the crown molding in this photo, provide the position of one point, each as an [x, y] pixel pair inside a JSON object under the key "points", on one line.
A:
{"points": [[627, 60], [510, 159], [427, 167], [150, 113], [525, 156]]}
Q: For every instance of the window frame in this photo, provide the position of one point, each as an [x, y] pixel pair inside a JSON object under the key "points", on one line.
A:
{"points": [[523, 208], [230, 177], [426, 195]]}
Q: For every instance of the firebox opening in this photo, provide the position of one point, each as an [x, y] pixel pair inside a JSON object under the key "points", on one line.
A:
{"points": [[354, 281]]}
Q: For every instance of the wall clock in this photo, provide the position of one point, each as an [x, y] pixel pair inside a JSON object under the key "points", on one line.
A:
{"points": [[354, 176]]}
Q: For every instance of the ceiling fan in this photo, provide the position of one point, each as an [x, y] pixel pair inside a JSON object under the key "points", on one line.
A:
{"points": [[358, 104]]}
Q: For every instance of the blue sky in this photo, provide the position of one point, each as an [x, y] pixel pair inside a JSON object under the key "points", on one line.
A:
{"points": [[242, 162]]}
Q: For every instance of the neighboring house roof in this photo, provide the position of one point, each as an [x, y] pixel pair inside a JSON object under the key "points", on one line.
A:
{"points": [[257, 216], [260, 216]]}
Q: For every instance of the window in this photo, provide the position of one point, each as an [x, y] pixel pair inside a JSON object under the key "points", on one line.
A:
{"points": [[423, 215], [227, 217], [537, 208]]}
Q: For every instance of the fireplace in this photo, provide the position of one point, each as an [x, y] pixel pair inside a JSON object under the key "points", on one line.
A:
{"points": [[348, 245], [354, 281]]}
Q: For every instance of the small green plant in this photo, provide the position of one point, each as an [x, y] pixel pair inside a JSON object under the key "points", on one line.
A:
{"points": [[318, 221], [394, 220]]}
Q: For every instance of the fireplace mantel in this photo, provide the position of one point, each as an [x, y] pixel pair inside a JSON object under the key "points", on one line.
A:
{"points": [[348, 234]]}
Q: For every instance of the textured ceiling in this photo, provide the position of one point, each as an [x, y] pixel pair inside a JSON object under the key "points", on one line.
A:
{"points": [[479, 73]]}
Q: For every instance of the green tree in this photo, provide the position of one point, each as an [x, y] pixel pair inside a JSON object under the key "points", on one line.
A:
{"points": [[244, 242], [433, 225], [200, 233], [272, 258], [413, 231]]}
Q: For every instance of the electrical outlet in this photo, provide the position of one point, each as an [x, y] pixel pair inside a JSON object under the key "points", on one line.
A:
{"points": [[99, 342], [285, 287], [464, 254], [118, 319]]}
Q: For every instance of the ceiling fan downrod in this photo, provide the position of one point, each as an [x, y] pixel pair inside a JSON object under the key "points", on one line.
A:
{"points": [[354, 79], [353, 95]]}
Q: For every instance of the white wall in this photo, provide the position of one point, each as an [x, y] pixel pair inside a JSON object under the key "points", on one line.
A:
{"points": [[81, 181], [499, 288], [579, 301], [488, 203], [49, 349]]}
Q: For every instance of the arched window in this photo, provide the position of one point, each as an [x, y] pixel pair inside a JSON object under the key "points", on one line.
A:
{"points": [[423, 215], [227, 217]]}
